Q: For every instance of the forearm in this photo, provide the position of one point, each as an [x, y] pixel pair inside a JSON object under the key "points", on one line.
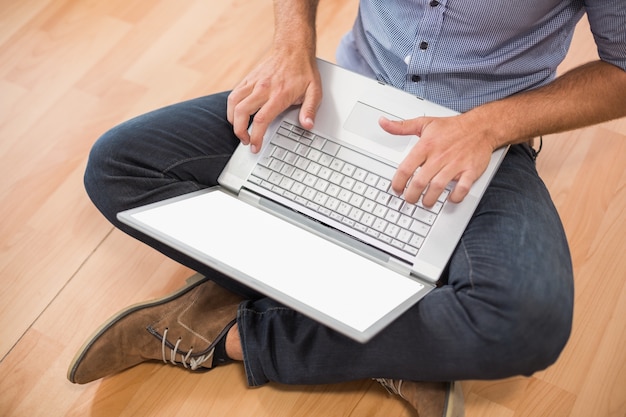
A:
{"points": [[589, 94], [294, 26]]}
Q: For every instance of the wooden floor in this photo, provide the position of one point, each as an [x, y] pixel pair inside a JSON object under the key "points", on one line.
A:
{"points": [[69, 70]]}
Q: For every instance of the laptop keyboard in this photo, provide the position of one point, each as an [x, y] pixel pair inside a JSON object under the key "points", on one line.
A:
{"points": [[325, 180]]}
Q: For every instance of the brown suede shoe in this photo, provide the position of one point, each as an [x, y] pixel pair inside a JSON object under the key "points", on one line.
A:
{"points": [[180, 328], [430, 399]]}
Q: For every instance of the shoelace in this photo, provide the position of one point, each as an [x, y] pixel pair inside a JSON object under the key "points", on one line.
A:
{"points": [[389, 385], [186, 360]]}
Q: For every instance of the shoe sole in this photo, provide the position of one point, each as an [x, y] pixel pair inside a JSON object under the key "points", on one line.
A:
{"points": [[192, 283], [454, 405]]}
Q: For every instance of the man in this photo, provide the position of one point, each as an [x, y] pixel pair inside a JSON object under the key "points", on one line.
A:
{"points": [[504, 306]]}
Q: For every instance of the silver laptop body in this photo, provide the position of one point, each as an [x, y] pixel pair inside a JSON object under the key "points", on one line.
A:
{"points": [[310, 220]]}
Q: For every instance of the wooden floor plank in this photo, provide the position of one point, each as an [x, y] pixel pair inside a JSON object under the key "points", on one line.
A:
{"points": [[70, 70]]}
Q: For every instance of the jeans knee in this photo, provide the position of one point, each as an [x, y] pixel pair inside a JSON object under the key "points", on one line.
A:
{"points": [[521, 330], [544, 345], [93, 171], [101, 176], [534, 337]]}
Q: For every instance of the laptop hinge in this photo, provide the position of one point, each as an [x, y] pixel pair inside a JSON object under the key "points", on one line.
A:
{"points": [[325, 231], [425, 271]]}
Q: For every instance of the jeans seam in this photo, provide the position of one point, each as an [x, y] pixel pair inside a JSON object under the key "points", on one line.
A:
{"points": [[470, 269], [243, 311], [244, 345]]}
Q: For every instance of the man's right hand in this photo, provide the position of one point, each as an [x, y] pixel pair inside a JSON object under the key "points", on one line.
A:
{"points": [[278, 83]]}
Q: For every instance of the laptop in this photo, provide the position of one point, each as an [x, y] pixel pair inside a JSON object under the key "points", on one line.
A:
{"points": [[311, 222]]}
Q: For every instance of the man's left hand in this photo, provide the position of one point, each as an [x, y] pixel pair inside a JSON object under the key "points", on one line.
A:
{"points": [[448, 150]]}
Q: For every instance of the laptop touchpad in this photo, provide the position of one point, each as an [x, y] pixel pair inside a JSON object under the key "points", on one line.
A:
{"points": [[363, 121]]}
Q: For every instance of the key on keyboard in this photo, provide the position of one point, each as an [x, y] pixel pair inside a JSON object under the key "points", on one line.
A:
{"points": [[345, 189]]}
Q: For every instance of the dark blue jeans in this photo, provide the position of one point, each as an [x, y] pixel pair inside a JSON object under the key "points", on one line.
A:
{"points": [[504, 309]]}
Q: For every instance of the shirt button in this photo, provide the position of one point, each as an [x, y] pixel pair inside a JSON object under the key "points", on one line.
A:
{"points": [[434, 3], [424, 45], [415, 78]]}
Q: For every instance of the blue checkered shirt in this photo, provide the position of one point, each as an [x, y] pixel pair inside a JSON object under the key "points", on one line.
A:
{"points": [[463, 53]]}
